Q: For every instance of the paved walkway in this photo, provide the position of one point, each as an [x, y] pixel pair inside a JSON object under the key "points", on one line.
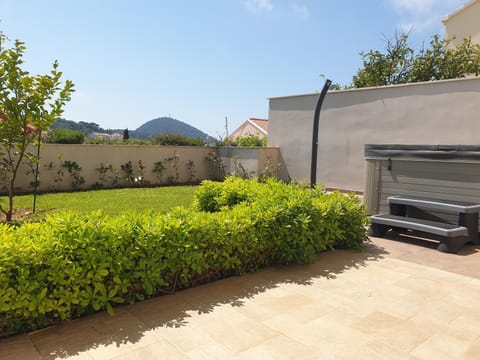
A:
{"points": [[393, 301]]}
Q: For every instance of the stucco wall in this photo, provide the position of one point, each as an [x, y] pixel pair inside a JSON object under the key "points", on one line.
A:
{"points": [[464, 23], [89, 158], [441, 112]]}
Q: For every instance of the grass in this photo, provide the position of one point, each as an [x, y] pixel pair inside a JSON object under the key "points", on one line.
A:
{"points": [[112, 202]]}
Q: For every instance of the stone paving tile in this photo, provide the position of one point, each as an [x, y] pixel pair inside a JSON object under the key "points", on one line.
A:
{"points": [[440, 346], [473, 352], [18, 347], [395, 300], [159, 350], [237, 335], [280, 347]]}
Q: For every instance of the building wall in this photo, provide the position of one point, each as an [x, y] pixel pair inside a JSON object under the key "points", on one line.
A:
{"points": [[192, 164], [440, 112], [464, 23]]}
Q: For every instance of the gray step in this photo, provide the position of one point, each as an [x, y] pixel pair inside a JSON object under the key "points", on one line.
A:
{"points": [[431, 227], [457, 207]]}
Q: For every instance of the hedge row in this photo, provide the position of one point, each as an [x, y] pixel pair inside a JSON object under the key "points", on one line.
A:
{"points": [[69, 265]]}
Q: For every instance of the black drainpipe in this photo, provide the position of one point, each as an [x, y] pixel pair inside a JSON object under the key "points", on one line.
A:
{"points": [[316, 120]]}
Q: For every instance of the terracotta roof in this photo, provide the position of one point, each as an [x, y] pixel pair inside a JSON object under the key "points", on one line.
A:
{"points": [[261, 123]]}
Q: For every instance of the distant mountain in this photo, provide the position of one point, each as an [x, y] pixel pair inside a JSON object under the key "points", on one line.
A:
{"points": [[159, 126], [167, 125]]}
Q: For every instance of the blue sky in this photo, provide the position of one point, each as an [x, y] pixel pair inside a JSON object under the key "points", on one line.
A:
{"points": [[202, 61]]}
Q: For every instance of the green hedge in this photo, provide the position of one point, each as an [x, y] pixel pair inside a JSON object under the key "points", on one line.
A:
{"points": [[69, 265]]}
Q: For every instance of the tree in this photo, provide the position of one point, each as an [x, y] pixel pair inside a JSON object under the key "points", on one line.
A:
{"points": [[126, 135], [28, 105], [401, 64], [65, 136]]}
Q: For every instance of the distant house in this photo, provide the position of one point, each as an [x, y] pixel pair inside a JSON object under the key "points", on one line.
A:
{"points": [[252, 126], [106, 136], [464, 23]]}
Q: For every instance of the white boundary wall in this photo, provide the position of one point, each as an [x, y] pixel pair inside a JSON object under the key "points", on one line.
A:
{"points": [[89, 157], [440, 112]]}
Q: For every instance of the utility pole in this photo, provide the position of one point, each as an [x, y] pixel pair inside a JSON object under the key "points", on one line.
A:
{"points": [[226, 127]]}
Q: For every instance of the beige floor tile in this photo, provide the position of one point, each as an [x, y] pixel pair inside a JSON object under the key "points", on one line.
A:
{"points": [[376, 275], [428, 286], [238, 335], [147, 337], [405, 306], [437, 312], [79, 356], [160, 350], [279, 348], [68, 339], [186, 338], [402, 336], [18, 347], [380, 351], [377, 322], [473, 352], [465, 328], [467, 299], [298, 305], [210, 351], [109, 351], [167, 310], [122, 321], [322, 330], [401, 266], [439, 347]]}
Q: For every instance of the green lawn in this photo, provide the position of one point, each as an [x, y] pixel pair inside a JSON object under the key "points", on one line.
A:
{"points": [[112, 201]]}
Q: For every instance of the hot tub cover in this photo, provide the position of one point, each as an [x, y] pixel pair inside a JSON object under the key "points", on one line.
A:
{"points": [[430, 152]]}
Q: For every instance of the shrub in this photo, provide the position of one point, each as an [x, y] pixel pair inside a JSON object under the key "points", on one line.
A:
{"points": [[177, 140], [67, 265], [252, 141], [344, 211], [65, 136]]}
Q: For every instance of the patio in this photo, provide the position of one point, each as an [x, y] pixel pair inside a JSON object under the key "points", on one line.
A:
{"points": [[395, 300]]}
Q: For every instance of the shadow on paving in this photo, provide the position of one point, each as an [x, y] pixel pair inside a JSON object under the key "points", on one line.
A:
{"points": [[431, 242], [131, 322]]}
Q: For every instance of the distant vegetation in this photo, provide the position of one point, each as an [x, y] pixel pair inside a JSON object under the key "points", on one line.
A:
{"points": [[86, 128], [147, 131], [177, 140], [249, 140], [65, 136]]}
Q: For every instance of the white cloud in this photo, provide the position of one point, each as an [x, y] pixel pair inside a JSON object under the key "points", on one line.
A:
{"points": [[256, 6], [424, 15], [301, 10], [415, 6]]}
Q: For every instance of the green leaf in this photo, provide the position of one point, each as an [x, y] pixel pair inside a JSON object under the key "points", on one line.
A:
{"points": [[103, 272], [110, 310]]}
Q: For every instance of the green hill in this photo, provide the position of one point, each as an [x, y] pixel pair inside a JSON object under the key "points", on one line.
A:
{"points": [[87, 128], [167, 125]]}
